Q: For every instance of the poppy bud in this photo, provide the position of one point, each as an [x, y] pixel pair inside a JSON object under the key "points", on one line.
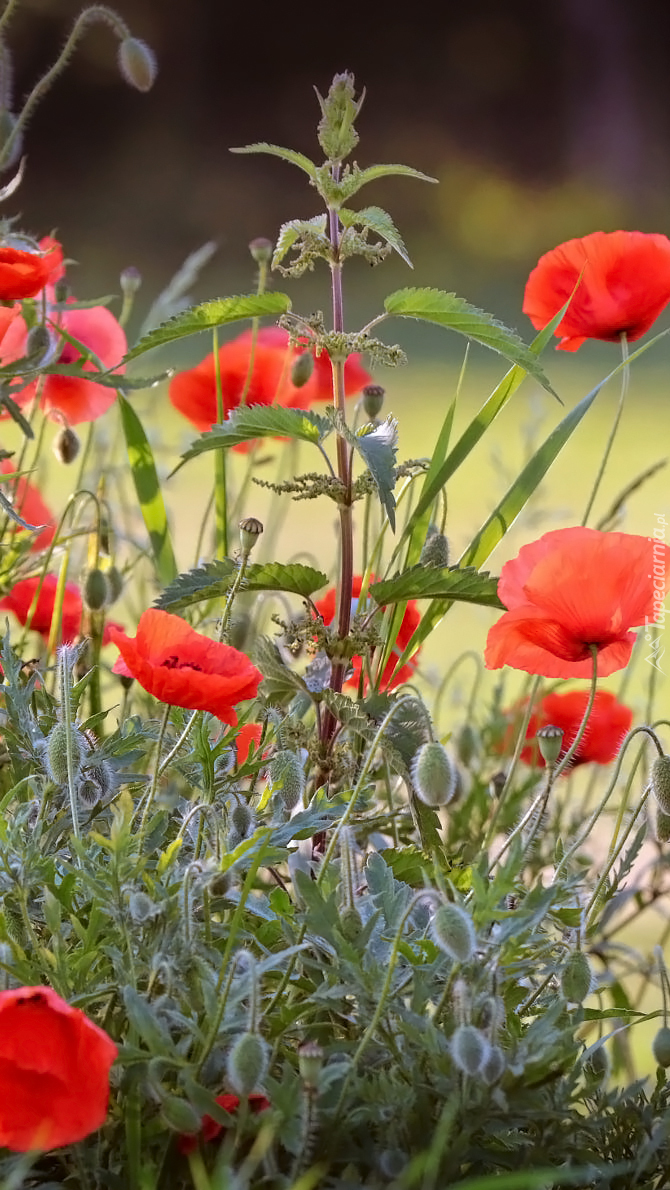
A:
{"points": [[114, 584], [250, 530], [453, 932], [261, 250], [576, 977], [660, 782], [130, 280], [550, 740], [89, 791], [660, 1046], [38, 342], [247, 1063], [662, 826], [469, 1049], [494, 1066], [302, 368], [310, 1062], [597, 1065], [241, 819], [435, 551], [497, 783], [224, 763], [287, 777], [56, 752], [179, 1115], [95, 591], [433, 775], [373, 399], [351, 923], [137, 63], [467, 744], [140, 906], [66, 445], [61, 291]]}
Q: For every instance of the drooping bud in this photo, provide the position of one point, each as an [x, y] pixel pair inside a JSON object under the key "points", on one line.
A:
{"points": [[242, 818], [89, 791], [660, 782], [180, 1116], [56, 753], [141, 907], [310, 1062], [468, 744], [261, 250], [95, 591], [247, 1064], [66, 445], [114, 584], [61, 291], [494, 1067], [497, 783], [38, 343], [435, 551], [660, 1046], [302, 368], [576, 977], [351, 923], [250, 530], [452, 930], [433, 775], [287, 777], [373, 399], [137, 63], [470, 1049], [550, 741], [130, 281], [597, 1065], [662, 826]]}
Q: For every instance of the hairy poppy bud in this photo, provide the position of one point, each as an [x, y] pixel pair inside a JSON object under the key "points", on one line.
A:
{"points": [[137, 63], [56, 752], [351, 923], [550, 740], [302, 368], [140, 907], [662, 826], [467, 744], [453, 932], [310, 1061], [469, 1049], [433, 775], [576, 977], [261, 250], [250, 530], [494, 1066], [660, 782], [435, 551], [241, 819], [179, 1115], [660, 1046], [373, 399], [66, 445], [114, 584], [61, 291], [38, 343], [287, 777], [89, 791], [95, 591], [130, 279], [247, 1063], [597, 1065]]}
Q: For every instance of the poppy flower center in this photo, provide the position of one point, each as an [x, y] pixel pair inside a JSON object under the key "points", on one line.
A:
{"points": [[175, 662]]}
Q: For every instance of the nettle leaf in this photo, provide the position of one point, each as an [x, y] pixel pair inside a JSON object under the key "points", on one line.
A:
{"points": [[280, 683], [208, 315], [289, 155], [349, 713], [261, 421], [373, 172], [215, 579], [454, 313], [436, 582], [378, 446], [378, 221], [295, 229]]}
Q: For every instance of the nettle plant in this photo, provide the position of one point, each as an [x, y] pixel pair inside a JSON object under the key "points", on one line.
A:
{"points": [[284, 931]]}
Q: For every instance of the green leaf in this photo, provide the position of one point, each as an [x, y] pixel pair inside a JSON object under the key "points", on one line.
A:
{"points": [[378, 221], [378, 446], [349, 713], [466, 585], [149, 492], [280, 683], [261, 421], [291, 232], [373, 172], [143, 1018], [452, 312], [214, 580], [109, 379], [289, 155], [208, 315]]}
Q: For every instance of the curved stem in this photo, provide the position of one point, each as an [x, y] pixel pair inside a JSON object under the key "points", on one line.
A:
{"points": [[625, 379]]}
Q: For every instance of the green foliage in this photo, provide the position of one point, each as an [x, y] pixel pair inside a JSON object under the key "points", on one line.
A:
{"points": [[377, 446], [289, 155], [431, 582], [376, 220], [261, 421], [149, 495], [208, 315], [214, 580]]}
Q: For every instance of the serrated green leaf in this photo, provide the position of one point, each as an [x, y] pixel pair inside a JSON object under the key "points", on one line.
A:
{"points": [[290, 232], [213, 581], [466, 585], [208, 315], [280, 683], [261, 421], [378, 221], [378, 448], [373, 172], [148, 488], [349, 714], [454, 313], [289, 155]]}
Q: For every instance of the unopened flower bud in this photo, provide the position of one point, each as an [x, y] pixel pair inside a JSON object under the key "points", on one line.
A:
{"points": [[351, 923], [141, 907], [38, 343], [95, 591], [576, 977], [494, 1066], [114, 584], [130, 280], [662, 826], [287, 777], [433, 775], [89, 791], [660, 1046], [61, 291], [597, 1065], [180, 1116], [470, 1049], [302, 368], [137, 63], [373, 399], [56, 752], [310, 1062], [452, 930], [66, 445], [247, 1064], [250, 530], [468, 744], [660, 782], [261, 250], [497, 783], [435, 551], [550, 741], [241, 819]]}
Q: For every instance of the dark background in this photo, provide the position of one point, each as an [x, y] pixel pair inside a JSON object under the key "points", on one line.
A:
{"points": [[541, 120]]}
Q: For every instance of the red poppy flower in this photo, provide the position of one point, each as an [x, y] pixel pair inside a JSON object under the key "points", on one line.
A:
{"points": [[182, 667], [625, 283], [54, 1071], [573, 588], [76, 399], [249, 733], [19, 601], [410, 622], [30, 505], [193, 393], [187, 1142], [24, 274], [7, 316], [608, 723]]}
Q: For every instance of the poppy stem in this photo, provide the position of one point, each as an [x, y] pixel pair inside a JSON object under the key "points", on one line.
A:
{"points": [[521, 740], [157, 768], [625, 381]]}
